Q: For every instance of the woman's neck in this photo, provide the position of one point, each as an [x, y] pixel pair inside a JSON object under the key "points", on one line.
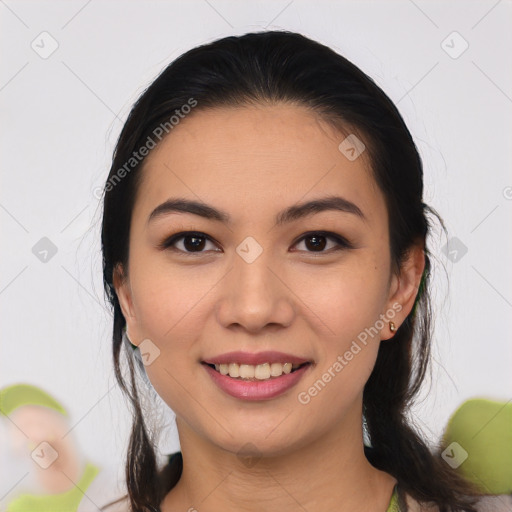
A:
{"points": [[329, 474]]}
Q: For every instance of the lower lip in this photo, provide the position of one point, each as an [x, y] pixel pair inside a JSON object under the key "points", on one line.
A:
{"points": [[256, 390]]}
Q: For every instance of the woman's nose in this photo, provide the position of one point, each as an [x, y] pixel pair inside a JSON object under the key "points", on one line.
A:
{"points": [[254, 294]]}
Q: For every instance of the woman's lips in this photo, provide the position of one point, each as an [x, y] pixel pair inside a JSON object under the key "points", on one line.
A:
{"points": [[241, 357], [256, 389]]}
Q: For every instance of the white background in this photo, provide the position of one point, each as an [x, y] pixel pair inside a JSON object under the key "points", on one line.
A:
{"points": [[61, 116]]}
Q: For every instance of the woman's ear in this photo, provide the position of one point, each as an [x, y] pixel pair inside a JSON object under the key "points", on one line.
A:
{"points": [[404, 288], [124, 296]]}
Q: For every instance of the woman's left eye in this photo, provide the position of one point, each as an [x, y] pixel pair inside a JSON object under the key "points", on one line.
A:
{"points": [[316, 241]]}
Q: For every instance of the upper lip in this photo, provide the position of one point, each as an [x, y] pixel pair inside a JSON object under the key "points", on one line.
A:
{"points": [[255, 358]]}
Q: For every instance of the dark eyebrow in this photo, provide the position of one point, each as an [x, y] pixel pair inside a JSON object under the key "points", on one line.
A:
{"points": [[290, 214]]}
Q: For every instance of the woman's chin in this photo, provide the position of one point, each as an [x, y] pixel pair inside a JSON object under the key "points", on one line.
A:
{"points": [[256, 444]]}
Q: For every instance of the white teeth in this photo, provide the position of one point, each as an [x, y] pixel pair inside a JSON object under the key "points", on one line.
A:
{"points": [[246, 371], [234, 370], [260, 372], [276, 369]]}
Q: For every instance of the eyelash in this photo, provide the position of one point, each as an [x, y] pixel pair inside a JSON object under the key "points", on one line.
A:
{"points": [[342, 242]]}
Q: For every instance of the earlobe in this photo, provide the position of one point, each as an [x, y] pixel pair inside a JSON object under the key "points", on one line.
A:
{"points": [[123, 292], [405, 288], [124, 296]]}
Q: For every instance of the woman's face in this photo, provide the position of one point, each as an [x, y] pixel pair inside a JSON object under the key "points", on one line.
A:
{"points": [[256, 281]]}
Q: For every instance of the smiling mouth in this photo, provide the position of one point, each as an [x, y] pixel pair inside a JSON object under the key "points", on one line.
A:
{"points": [[248, 372]]}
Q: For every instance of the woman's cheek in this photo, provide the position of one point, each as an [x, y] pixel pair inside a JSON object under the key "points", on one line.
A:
{"points": [[170, 377], [159, 303]]}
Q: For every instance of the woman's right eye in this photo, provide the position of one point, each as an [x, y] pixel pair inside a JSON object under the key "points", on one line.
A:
{"points": [[191, 242]]}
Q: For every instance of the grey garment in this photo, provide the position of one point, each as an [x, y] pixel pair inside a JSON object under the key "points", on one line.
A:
{"points": [[105, 488], [500, 503]]}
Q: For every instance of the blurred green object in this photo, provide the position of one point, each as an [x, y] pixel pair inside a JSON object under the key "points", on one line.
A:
{"points": [[393, 504], [19, 395], [15, 396], [479, 433], [64, 502]]}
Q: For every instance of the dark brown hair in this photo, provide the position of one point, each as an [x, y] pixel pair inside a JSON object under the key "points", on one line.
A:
{"points": [[284, 67]]}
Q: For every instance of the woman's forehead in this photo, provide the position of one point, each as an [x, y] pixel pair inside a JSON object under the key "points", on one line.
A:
{"points": [[256, 155], [251, 130]]}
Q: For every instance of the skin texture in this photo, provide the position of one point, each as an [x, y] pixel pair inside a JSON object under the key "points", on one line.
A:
{"points": [[252, 162]]}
